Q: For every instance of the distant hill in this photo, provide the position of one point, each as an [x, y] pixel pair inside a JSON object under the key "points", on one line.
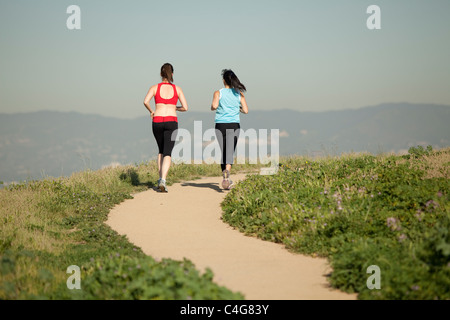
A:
{"points": [[46, 143]]}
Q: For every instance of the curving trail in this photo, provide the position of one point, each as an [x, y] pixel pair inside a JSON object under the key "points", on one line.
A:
{"points": [[186, 223]]}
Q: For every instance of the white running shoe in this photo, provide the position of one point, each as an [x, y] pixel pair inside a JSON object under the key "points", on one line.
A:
{"points": [[226, 180], [162, 186]]}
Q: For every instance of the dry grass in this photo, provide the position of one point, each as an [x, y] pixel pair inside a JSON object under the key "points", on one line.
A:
{"points": [[24, 224], [437, 165]]}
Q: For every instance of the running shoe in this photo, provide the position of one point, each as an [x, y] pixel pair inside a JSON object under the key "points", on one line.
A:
{"points": [[162, 186], [231, 184], [226, 181]]}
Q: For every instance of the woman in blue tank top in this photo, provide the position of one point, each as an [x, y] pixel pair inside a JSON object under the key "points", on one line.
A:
{"points": [[228, 102]]}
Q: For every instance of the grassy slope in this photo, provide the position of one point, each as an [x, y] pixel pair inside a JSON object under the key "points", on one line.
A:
{"points": [[49, 225]]}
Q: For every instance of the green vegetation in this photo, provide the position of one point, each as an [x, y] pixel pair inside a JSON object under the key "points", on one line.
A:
{"points": [[49, 225], [417, 152], [358, 210]]}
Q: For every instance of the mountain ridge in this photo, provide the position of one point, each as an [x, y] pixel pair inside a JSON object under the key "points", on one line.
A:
{"points": [[54, 143]]}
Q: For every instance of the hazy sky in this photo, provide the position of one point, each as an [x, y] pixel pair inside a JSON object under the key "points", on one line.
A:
{"points": [[310, 55]]}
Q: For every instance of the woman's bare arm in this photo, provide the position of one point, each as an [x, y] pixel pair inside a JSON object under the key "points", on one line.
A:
{"points": [[181, 97], [215, 101], [244, 107], [148, 97]]}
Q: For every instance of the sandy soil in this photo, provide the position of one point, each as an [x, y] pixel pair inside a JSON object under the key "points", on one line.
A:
{"points": [[186, 223]]}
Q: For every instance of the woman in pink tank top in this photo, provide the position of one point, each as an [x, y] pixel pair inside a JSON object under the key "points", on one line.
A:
{"points": [[164, 119]]}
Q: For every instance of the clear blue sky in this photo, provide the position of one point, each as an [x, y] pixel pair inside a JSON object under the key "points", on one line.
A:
{"points": [[303, 55]]}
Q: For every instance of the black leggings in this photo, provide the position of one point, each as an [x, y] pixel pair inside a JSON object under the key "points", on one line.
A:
{"points": [[163, 135], [227, 135]]}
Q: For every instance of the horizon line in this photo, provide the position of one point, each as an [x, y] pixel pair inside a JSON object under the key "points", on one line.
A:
{"points": [[205, 112]]}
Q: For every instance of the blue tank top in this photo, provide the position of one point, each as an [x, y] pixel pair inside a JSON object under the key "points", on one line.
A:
{"points": [[229, 106]]}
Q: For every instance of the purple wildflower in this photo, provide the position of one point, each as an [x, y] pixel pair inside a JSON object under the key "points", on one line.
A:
{"points": [[393, 224]]}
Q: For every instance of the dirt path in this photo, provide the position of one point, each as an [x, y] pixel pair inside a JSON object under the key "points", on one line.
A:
{"points": [[185, 223]]}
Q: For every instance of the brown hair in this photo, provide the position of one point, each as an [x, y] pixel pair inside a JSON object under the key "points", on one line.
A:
{"points": [[166, 72]]}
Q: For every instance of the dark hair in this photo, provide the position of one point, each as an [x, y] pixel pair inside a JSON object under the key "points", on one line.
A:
{"points": [[166, 72], [232, 80]]}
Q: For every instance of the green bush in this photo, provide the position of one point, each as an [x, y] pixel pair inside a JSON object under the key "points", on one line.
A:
{"points": [[419, 151], [123, 277]]}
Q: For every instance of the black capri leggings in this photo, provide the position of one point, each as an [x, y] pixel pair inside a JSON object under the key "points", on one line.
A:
{"points": [[163, 135], [227, 135]]}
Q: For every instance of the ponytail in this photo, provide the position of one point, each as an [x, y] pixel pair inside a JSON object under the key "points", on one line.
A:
{"points": [[167, 71], [232, 80]]}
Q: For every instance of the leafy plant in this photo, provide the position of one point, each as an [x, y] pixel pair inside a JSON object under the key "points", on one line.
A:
{"points": [[419, 151]]}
